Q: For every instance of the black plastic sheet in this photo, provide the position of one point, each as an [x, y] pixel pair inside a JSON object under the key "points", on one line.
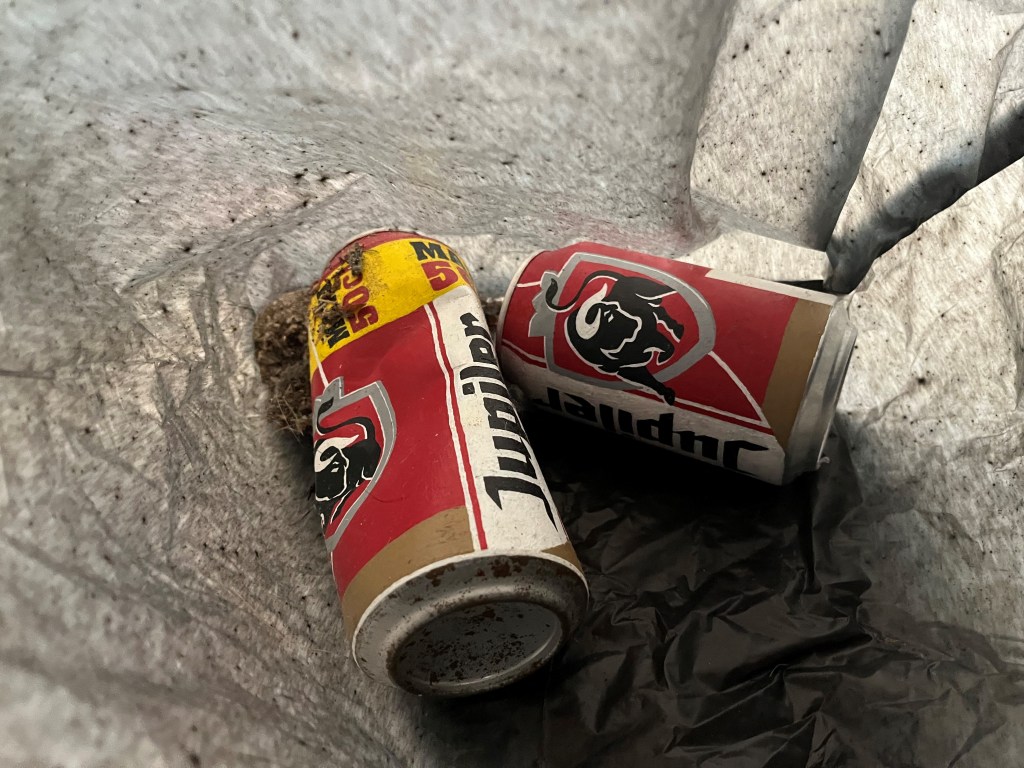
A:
{"points": [[729, 627]]}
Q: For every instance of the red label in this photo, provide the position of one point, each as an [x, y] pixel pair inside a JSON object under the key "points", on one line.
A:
{"points": [[412, 419], [660, 329], [414, 477]]}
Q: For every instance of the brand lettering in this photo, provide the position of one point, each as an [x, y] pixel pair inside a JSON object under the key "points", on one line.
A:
{"points": [[657, 430], [427, 251], [442, 266], [347, 302], [518, 468]]}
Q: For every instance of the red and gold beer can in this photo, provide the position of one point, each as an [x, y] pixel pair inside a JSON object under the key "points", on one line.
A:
{"points": [[453, 568], [730, 370]]}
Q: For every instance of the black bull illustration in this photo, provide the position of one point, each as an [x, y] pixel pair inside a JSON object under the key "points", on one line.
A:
{"points": [[616, 330], [342, 463]]}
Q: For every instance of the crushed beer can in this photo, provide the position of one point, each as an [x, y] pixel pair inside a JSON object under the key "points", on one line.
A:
{"points": [[735, 371], [453, 568]]}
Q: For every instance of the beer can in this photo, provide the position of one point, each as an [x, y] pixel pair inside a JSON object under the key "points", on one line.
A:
{"points": [[730, 370], [453, 568]]}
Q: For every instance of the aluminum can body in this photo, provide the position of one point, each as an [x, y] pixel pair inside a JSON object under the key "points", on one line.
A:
{"points": [[730, 370], [454, 571]]}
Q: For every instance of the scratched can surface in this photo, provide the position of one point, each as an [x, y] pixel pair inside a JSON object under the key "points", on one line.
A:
{"points": [[731, 370], [453, 568]]}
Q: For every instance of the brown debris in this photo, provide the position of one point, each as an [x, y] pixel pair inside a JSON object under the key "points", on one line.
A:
{"points": [[279, 336], [355, 260], [492, 309]]}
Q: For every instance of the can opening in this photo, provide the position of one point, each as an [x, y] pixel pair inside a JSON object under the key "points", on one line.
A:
{"points": [[478, 647]]}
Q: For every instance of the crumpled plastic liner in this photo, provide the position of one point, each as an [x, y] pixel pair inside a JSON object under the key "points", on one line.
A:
{"points": [[848, 124], [730, 627], [165, 597], [831, 62], [953, 116]]}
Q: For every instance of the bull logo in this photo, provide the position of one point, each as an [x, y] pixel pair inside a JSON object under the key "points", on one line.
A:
{"points": [[625, 322], [353, 439]]}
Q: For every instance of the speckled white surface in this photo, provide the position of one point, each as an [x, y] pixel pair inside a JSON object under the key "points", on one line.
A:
{"points": [[952, 117], [796, 89], [760, 256], [933, 411], [165, 170]]}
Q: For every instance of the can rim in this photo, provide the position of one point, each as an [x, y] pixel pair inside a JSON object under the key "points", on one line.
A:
{"points": [[821, 392], [396, 615]]}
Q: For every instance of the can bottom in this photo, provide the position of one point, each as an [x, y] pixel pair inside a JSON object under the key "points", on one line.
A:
{"points": [[478, 647], [471, 623]]}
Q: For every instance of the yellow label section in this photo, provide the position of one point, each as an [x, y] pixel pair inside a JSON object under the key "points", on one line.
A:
{"points": [[372, 287]]}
